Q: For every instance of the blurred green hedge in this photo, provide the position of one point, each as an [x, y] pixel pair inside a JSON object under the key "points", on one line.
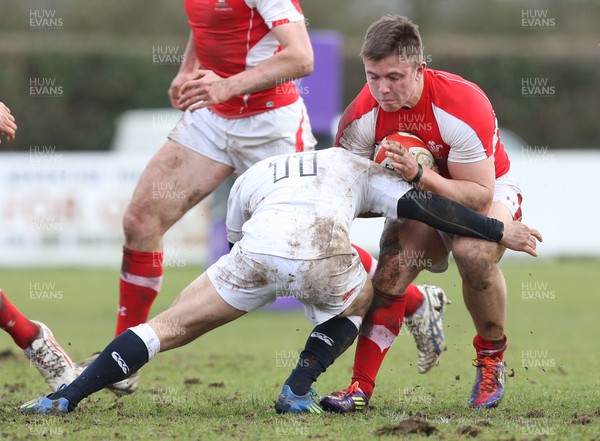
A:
{"points": [[71, 101], [562, 114], [96, 88]]}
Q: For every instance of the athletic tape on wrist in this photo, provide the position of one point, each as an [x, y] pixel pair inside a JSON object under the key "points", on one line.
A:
{"points": [[417, 178]]}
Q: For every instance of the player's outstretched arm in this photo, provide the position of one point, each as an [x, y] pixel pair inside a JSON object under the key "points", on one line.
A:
{"points": [[8, 125], [452, 217]]}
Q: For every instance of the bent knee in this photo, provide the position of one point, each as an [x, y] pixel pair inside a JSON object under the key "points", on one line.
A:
{"points": [[139, 225], [476, 260], [473, 252]]}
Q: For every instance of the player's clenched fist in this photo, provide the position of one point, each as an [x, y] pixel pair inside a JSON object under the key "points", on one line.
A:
{"points": [[8, 125]]}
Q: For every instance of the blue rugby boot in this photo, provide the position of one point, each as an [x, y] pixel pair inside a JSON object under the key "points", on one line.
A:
{"points": [[46, 405], [289, 402]]}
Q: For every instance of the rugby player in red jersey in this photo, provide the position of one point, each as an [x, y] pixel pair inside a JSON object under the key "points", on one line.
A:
{"points": [[455, 119]]}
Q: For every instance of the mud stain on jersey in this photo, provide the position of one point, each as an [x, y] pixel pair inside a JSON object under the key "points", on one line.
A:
{"points": [[323, 234], [295, 242]]}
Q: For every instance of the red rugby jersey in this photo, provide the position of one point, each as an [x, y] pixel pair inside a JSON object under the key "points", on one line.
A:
{"points": [[234, 35], [453, 117]]}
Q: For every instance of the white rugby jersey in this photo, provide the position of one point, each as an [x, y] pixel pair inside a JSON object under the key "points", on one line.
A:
{"points": [[301, 206]]}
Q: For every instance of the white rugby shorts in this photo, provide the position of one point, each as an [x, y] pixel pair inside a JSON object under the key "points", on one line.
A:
{"points": [[326, 287], [242, 142]]}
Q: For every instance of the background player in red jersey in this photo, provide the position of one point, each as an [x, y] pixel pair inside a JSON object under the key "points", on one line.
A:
{"points": [[282, 233], [456, 121], [36, 340]]}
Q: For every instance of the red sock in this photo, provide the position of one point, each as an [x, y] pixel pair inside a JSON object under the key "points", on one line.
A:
{"points": [[368, 261], [141, 277], [372, 348], [22, 331], [489, 348], [414, 300]]}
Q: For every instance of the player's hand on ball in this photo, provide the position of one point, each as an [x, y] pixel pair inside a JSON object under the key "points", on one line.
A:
{"points": [[520, 237], [402, 161], [402, 145]]}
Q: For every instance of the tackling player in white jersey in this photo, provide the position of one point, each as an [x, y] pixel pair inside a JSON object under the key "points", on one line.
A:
{"points": [[289, 219]]}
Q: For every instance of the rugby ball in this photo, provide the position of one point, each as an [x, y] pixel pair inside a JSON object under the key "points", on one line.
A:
{"points": [[415, 146]]}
